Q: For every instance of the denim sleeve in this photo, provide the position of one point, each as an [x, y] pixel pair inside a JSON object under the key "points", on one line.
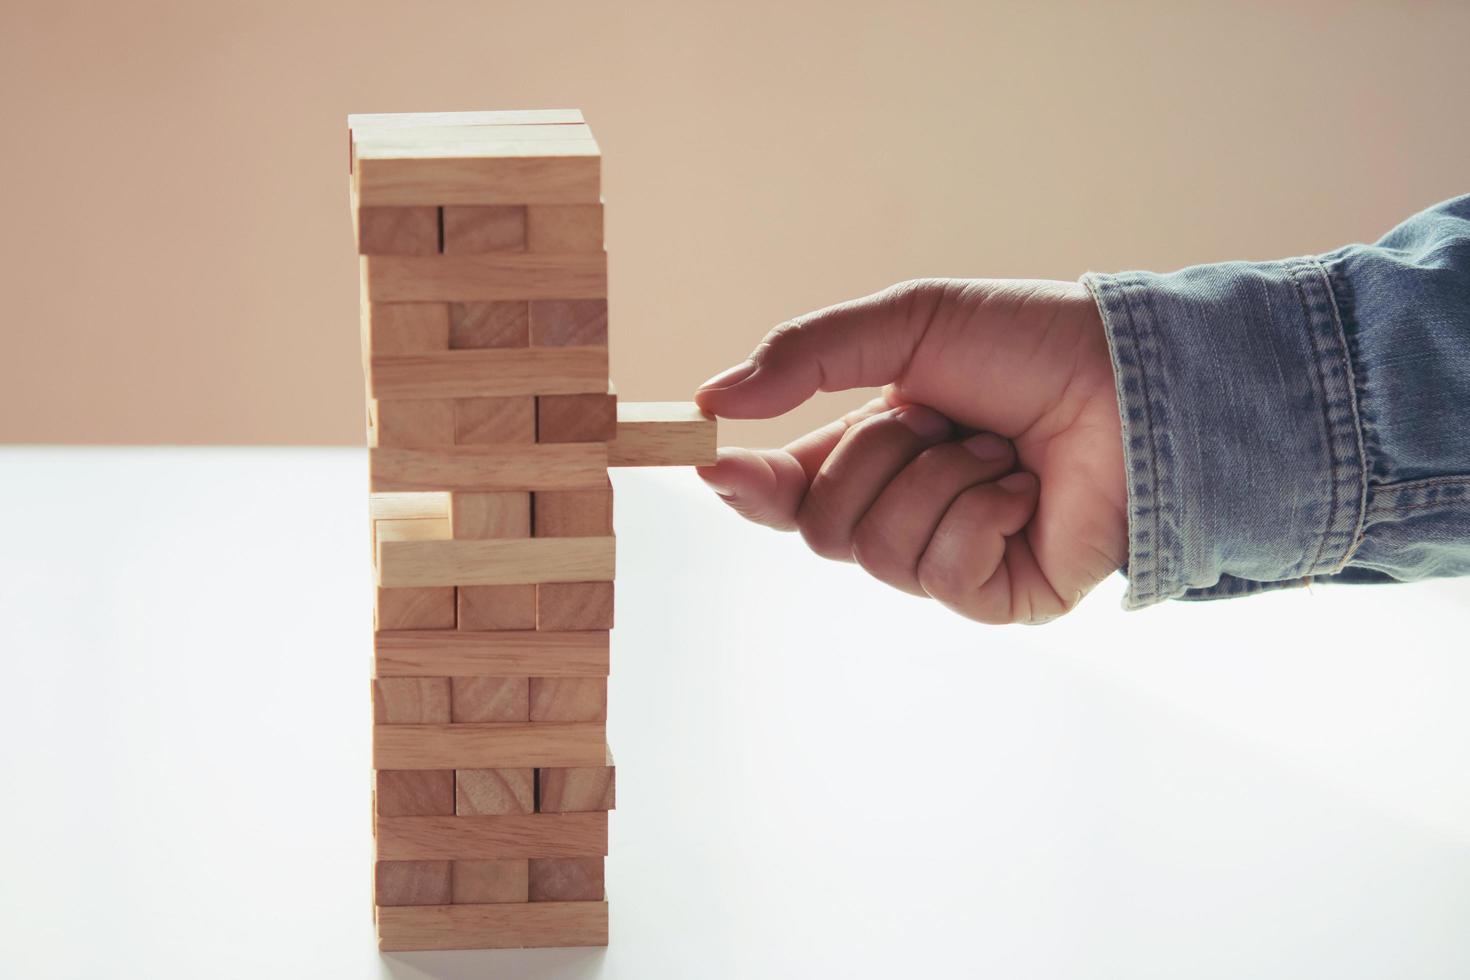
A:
{"points": [[1297, 420]]}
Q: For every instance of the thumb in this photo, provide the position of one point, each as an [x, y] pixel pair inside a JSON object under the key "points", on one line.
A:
{"points": [[863, 343]]}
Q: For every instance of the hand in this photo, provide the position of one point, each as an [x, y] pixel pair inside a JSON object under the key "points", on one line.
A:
{"points": [[989, 475]]}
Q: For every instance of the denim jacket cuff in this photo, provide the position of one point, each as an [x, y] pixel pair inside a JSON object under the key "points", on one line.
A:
{"points": [[1242, 442]]}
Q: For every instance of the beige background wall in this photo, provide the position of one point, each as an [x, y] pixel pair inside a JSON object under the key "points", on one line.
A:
{"points": [[175, 252]]}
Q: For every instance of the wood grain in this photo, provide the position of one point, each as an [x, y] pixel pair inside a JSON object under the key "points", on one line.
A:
{"points": [[488, 746], [506, 514], [360, 122], [414, 423], [532, 835], [576, 418], [564, 228], [489, 373], [475, 230], [415, 609], [410, 700], [569, 699], [662, 434], [493, 276], [408, 328], [573, 513], [497, 607], [408, 506], [478, 326], [496, 561], [398, 231], [511, 653], [414, 792], [494, 792], [568, 322], [503, 926], [508, 466], [412, 883], [566, 879], [495, 421], [479, 172], [574, 606], [488, 882], [486, 699], [577, 789], [419, 529]]}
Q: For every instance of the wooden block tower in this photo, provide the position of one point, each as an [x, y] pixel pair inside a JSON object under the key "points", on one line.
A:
{"points": [[491, 425]]}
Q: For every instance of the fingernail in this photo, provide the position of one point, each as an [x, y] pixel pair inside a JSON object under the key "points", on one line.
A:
{"points": [[922, 422], [732, 376], [987, 446], [1018, 482]]}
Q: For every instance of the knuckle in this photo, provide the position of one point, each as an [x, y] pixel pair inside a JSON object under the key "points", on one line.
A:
{"points": [[781, 337], [942, 580], [822, 532]]}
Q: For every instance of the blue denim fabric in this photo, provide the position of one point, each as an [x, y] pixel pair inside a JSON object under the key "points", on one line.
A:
{"points": [[1297, 420]]}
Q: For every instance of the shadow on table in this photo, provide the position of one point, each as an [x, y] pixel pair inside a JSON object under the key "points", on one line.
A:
{"points": [[477, 964]]}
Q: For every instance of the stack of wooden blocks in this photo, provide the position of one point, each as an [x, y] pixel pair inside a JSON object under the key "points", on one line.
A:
{"points": [[491, 426]]}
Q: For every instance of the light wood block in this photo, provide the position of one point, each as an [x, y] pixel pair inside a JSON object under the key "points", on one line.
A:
{"points": [[490, 373], [497, 607], [662, 434], [566, 879], [509, 466], [495, 421], [491, 515], [531, 835], [574, 513], [501, 926], [419, 529], [497, 561], [398, 231], [568, 322], [414, 423], [576, 418], [522, 172], [505, 323], [408, 328], [410, 700], [408, 506], [487, 699], [494, 792], [578, 789], [412, 883], [564, 228], [569, 699], [488, 746], [415, 792], [492, 276], [475, 230], [360, 122], [512, 653], [491, 882], [415, 609], [574, 606], [430, 142]]}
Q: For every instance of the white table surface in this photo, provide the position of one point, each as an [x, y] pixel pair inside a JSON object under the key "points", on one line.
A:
{"points": [[816, 776]]}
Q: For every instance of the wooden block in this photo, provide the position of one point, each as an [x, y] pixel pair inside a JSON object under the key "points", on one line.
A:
{"points": [[578, 788], [430, 142], [496, 561], [398, 231], [416, 792], [412, 883], [497, 745], [512, 653], [363, 121], [491, 882], [504, 926], [415, 423], [491, 515], [408, 328], [568, 322], [564, 228], [419, 529], [576, 418], [484, 325], [415, 609], [662, 434], [497, 607], [566, 879], [510, 466], [569, 699], [485, 699], [492, 276], [494, 792], [531, 835], [495, 421], [408, 506], [522, 172], [474, 230], [573, 513], [492, 373], [574, 606], [410, 700]]}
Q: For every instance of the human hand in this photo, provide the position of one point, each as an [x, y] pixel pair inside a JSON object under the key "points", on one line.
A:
{"points": [[989, 475]]}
